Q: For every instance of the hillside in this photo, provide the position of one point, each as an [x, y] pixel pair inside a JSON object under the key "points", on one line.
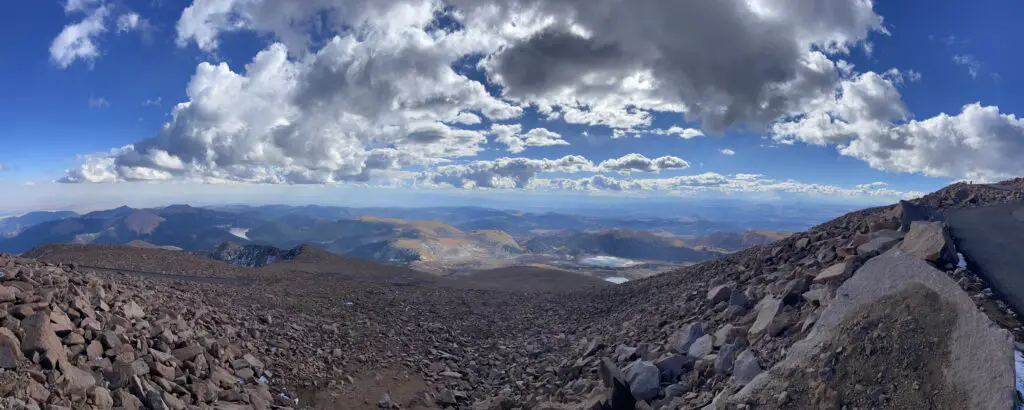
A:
{"points": [[734, 241]]}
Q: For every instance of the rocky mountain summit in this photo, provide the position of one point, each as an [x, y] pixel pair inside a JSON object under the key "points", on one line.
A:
{"points": [[870, 310]]}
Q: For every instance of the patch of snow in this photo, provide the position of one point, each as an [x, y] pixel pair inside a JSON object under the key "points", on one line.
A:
{"points": [[617, 279], [604, 261], [239, 232], [961, 262]]}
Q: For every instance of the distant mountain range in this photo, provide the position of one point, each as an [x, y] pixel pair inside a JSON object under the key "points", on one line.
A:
{"points": [[12, 226], [437, 240]]}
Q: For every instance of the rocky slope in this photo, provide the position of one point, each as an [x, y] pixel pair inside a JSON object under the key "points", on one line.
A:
{"points": [[75, 340], [691, 338]]}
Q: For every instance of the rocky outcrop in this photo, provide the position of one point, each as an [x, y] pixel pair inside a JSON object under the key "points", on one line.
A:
{"points": [[930, 241], [968, 357], [79, 341]]}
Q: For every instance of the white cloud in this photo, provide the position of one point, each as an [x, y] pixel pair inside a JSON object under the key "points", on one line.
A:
{"points": [[152, 101], [502, 172], [466, 118], [98, 102], [868, 120], [969, 61], [77, 41], [568, 61], [979, 143], [639, 163], [727, 151], [709, 182], [80, 5], [321, 117], [511, 136], [381, 95], [684, 133], [521, 172], [129, 21]]}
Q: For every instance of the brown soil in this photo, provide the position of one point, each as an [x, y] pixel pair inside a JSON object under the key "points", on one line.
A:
{"points": [[889, 354], [406, 389]]}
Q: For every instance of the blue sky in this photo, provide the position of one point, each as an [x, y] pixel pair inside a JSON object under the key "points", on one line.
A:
{"points": [[62, 118]]}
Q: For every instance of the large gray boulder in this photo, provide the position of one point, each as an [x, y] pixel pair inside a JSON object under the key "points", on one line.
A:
{"points": [[745, 368], [979, 363], [908, 213], [682, 339], [930, 241], [703, 346], [644, 380]]}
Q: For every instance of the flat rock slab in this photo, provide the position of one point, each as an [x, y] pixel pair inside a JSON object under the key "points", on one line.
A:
{"points": [[991, 239], [980, 363]]}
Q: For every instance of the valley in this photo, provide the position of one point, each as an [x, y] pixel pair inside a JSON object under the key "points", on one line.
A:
{"points": [[445, 242]]}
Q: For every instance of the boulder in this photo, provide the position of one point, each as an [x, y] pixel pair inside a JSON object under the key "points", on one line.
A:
{"points": [[10, 349], [877, 245], [644, 380], [673, 366], [745, 368], [77, 381], [101, 398], [187, 353], [727, 334], [8, 294], [768, 309], [908, 213], [930, 241], [837, 272], [978, 363], [740, 299], [802, 243], [40, 338], [132, 310], [703, 346], [725, 359], [681, 340], [719, 293]]}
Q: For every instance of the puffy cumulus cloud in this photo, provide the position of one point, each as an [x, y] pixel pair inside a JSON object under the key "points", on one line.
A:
{"points": [[718, 183], [684, 133], [606, 63], [867, 119], [727, 151], [522, 172], [721, 63], [863, 104], [639, 163], [512, 137], [502, 172], [979, 143], [321, 117], [294, 22], [78, 41]]}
